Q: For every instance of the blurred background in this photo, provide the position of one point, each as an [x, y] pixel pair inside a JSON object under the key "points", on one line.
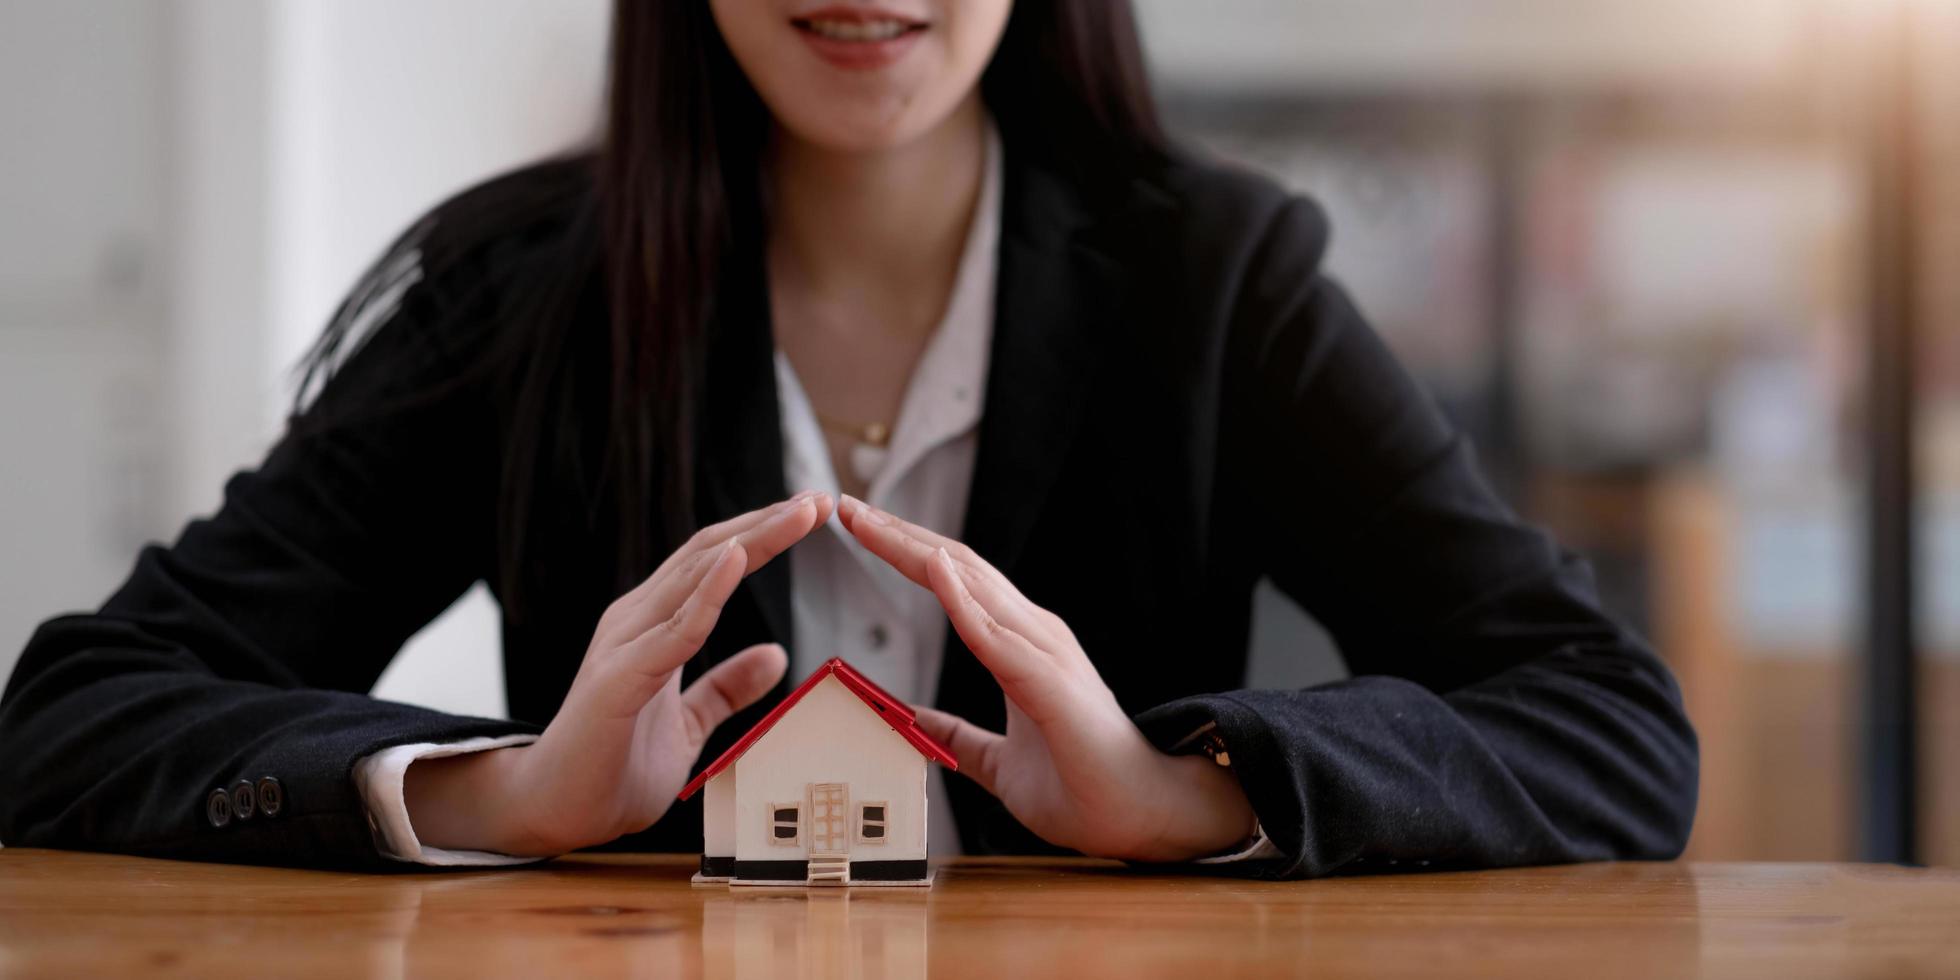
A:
{"points": [[1676, 264]]}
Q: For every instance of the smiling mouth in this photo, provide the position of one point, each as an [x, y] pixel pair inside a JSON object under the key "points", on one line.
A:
{"points": [[857, 30]]}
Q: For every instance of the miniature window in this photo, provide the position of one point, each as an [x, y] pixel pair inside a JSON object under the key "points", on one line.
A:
{"points": [[783, 823], [871, 823]]}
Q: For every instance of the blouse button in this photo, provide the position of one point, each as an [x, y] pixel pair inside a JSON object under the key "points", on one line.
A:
{"points": [[879, 637]]}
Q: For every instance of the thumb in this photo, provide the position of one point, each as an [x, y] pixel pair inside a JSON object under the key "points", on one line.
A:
{"points": [[732, 685], [977, 749]]}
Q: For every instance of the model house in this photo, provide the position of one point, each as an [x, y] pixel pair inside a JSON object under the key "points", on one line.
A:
{"points": [[829, 788]]}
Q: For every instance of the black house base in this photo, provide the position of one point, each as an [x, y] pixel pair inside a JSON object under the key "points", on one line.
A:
{"points": [[796, 872]]}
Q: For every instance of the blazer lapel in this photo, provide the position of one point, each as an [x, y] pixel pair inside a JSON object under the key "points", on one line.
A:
{"points": [[1055, 298]]}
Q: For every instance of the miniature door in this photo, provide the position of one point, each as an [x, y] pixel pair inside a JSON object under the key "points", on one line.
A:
{"points": [[830, 823], [830, 828]]}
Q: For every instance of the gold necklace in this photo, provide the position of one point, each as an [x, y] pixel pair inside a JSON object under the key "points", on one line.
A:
{"points": [[875, 434]]}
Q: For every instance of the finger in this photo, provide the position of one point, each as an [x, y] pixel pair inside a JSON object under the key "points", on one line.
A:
{"points": [[688, 562], [909, 548], [977, 749], [760, 542], [669, 643], [732, 685], [1018, 665], [1002, 603], [793, 523], [714, 535], [914, 542], [890, 539]]}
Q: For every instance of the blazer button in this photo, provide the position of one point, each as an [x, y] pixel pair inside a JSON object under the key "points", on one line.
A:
{"points": [[244, 802], [271, 798], [217, 808]]}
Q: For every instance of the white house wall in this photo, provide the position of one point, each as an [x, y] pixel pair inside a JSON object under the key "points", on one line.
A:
{"points": [[717, 806], [831, 736]]}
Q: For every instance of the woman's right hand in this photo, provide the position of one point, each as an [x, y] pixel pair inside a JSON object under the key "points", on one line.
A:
{"points": [[627, 735]]}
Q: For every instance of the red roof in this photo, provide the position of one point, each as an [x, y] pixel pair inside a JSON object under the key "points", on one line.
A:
{"points": [[896, 713]]}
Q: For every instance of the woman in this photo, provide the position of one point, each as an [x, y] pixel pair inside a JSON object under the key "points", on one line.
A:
{"points": [[932, 254]]}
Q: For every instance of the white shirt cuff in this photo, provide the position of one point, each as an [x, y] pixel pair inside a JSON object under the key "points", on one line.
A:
{"points": [[1261, 847], [378, 777]]}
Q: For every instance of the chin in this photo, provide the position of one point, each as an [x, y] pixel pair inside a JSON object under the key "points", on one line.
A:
{"points": [[856, 129]]}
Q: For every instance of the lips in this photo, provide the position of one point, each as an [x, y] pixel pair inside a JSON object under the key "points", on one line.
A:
{"points": [[858, 38]]}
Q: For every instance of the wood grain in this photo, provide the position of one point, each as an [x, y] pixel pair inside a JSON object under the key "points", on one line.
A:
{"points": [[67, 914]]}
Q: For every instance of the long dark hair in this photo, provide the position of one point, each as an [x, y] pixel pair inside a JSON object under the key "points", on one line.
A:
{"points": [[678, 195]]}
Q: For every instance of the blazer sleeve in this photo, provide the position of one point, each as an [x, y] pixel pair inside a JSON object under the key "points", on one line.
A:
{"points": [[242, 653], [1495, 715]]}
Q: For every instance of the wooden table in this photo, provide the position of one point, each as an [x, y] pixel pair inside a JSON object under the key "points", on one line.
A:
{"points": [[64, 914]]}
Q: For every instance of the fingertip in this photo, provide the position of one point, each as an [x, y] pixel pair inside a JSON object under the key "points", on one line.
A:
{"points": [[776, 658], [933, 720], [790, 503], [762, 662], [941, 726], [770, 663], [805, 504], [762, 666], [941, 565], [824, 507], [736, 683], [860, 528], [732, 553], [799, 504]]}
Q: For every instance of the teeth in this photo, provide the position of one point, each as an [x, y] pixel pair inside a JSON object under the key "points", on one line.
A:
{"points": [[858, 30]]}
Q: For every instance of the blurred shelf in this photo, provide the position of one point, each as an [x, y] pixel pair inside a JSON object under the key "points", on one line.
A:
{"points": [[1403, 44]]}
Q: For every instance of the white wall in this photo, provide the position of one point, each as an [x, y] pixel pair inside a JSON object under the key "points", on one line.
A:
{"points": [[718, 814], [388, 107], [382, 109], [218, 241], [191, 185], [81, 150]]}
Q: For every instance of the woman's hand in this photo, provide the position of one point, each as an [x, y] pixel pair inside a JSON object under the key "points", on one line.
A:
{"points": [[1072, 766], [622, 744]]}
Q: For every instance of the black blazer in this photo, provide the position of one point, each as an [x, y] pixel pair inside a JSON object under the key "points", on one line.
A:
{"points": [[1175, 384]]}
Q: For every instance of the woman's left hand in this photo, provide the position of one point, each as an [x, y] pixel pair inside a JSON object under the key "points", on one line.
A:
{"points": [[1072, 766]]}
